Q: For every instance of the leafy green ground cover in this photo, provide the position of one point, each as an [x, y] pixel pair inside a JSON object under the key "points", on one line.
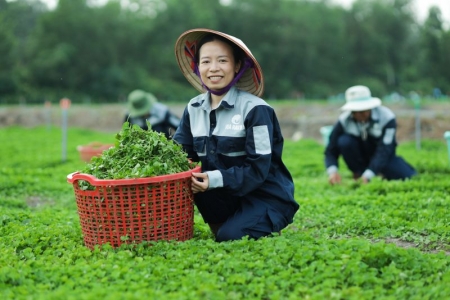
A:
{"points": [[385, 240]]}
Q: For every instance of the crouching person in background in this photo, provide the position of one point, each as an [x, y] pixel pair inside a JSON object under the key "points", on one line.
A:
{"points": [[365, 137], [143, 107]]}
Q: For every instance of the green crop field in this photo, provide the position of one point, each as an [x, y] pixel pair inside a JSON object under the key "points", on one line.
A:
{"points": [[384, 240]]}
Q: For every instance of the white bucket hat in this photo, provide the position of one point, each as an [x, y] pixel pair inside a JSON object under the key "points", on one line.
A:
{"points": [[251, 81], [359, 98]]}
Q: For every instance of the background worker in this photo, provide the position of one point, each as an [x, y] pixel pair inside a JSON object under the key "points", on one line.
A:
{"points": [[143, 106], [365, 137]]}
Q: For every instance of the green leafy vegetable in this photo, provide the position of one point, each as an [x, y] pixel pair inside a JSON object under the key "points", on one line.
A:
{"points": [[139, 153]]}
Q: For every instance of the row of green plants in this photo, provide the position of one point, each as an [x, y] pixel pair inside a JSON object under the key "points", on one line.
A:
{"points": [[384, 240]]}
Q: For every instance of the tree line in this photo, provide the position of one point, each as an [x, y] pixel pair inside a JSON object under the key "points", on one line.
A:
{"points": [[307, 49]]}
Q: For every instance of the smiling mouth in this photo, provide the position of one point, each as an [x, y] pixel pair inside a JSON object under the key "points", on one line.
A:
{"points": [[215, 78]]}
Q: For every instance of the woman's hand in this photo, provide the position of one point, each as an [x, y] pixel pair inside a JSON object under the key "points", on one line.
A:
{"points": [[200, 182]]}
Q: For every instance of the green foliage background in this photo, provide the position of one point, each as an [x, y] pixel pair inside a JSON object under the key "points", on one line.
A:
{"points": [[385, 240], [307, 49]]}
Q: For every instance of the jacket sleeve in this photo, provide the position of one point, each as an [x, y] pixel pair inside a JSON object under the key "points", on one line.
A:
{"points": [[332, 151], [260, 124], [385, 148], [184, 136]]}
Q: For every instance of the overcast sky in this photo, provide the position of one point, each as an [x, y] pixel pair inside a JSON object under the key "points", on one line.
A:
{"points": [[420, 7]]}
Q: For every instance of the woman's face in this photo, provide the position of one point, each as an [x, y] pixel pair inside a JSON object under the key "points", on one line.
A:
{"points": [[217, 65]]}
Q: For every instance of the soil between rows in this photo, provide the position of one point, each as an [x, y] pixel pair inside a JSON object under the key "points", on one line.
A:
{"points": [[299, 121]]}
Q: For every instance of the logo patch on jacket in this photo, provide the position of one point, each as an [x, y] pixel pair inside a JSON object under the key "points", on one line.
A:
{"points": [[236, 121]]}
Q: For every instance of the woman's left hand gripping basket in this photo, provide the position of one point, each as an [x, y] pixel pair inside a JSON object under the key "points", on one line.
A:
{"points": [[135, 210]]}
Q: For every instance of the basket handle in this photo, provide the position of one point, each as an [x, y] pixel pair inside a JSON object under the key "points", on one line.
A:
{"points": [[72, 177], [96, 182]]}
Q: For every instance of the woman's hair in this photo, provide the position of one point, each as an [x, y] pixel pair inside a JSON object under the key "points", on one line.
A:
{"points": [[238, 53]]}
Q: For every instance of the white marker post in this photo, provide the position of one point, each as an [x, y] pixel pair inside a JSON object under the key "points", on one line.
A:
{"points": [[417, 123], [48, 114], [447, 138], [65, 104]]}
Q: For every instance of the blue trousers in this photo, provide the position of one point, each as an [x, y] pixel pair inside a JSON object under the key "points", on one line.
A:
{"points": [[241, 216], [357, 160]]}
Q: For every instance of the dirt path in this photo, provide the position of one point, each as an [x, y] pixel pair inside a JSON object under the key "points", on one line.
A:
{"points": [[300, 121]]}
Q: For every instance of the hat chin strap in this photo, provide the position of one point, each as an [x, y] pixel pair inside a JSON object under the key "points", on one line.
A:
{"points": [[248, 63]]}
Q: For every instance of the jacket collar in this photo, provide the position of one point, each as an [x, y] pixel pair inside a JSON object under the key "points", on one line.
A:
{"points": [[227, 102]]}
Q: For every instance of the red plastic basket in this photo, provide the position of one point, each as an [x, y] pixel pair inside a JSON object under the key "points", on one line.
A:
{"points": [[135, 210], [92, 149]]}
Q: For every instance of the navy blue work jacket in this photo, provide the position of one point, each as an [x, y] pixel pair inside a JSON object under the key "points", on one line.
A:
{"points": [[240, 146]]}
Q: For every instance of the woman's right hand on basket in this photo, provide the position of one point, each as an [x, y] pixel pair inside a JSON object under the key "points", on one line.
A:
{"points": [[200, 182]]}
